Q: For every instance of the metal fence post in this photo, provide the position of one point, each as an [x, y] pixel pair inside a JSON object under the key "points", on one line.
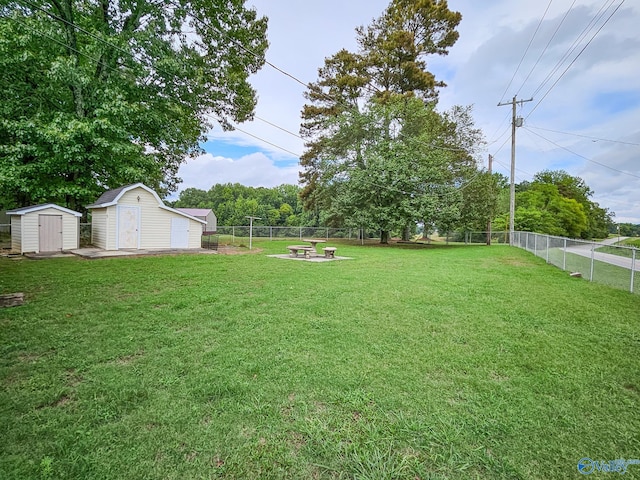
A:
{"points": [[564, 254], [633, 267], [271, 233], [535, 244], [593, 253], [547, 248]]}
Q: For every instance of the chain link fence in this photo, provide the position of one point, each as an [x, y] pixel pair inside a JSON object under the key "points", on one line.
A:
{"points": [[601, 262], [5, 236], [240, 234]]}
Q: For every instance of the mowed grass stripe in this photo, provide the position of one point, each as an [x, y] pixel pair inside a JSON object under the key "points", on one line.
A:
{"points": [[437, 362]]}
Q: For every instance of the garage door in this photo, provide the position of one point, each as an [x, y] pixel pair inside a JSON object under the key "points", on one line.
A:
{"points": [[179, 233], [50, 233]]}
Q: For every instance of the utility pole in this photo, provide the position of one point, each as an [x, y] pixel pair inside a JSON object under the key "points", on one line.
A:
{"points": [[515, 122], [489, 221]]}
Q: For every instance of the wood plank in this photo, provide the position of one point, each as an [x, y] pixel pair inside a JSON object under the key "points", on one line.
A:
{"points": [[11, 299]]}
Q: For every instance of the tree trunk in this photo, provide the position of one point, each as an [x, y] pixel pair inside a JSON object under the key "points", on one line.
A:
{"points": [[406, 233], [384, 236]]}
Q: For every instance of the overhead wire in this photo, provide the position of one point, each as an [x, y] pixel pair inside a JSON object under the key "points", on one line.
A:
{"points": [[63, 44], [574, 45], [544, 50], [493, 137], [582, 156], [574, 60], [525, 51], [585, 136]]}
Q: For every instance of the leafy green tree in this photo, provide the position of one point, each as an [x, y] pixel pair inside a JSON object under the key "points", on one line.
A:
{"points": [[391, 60], [480, 200], [625, 229], [540, 208], [405, 168], [232, 203], [97, 94], [378, 155], [597, 219], [194, 198]]}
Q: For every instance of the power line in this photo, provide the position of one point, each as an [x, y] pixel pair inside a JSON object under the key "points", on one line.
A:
{"points": [[586, 136], [571, 63], [547, 45], [506, 167], [265, 141], [525, 52], [574, 45], [278, 126], [102, 40], [63, 44], [574, 60], [493, 135], [501, 146], [582, 156]]}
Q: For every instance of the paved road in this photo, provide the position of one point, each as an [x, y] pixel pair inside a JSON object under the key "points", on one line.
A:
{"points": [[584, 250]]}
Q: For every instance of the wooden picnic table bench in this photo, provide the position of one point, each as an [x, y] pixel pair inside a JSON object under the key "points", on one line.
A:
{"points": [[294, 249]]}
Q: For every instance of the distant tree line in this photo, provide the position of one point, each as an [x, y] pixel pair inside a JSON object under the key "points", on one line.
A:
{"points": [[557, 203], [625, 229], [554, 203], [233, 203]]}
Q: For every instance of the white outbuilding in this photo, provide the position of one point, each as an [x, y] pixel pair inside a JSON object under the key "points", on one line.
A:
{"points": [[44, 228], [134, 217], [203, 214]]}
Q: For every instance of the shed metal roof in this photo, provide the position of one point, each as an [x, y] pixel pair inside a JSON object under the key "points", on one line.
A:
{"points": [[196, 212], [111, 197], [42, 206]]}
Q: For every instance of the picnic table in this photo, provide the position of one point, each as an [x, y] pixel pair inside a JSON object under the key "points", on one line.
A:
{"points": [[313, 242]]}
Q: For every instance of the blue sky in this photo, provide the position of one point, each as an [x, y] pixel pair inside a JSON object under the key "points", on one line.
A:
{"points": [[587, 123]]}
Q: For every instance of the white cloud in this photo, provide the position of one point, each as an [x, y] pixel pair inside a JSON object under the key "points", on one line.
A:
{"points": [[256, 170]]}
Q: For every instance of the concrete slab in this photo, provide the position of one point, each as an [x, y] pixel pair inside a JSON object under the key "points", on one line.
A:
{"points": [[41, 255], [315, 259], [92, 252]]}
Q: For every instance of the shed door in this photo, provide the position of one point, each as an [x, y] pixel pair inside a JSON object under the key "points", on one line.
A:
{"points": [[50, 233], [128, 225], [179, 233]]}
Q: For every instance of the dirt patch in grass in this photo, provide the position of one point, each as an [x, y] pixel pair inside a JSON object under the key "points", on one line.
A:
{"points": [[127, 359], [232, 250], [73, 378], [62, 401]]}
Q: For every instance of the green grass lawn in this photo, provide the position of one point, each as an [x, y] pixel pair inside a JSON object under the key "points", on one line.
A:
{"points": [[630, 243], [401, 363], [603, 273]]}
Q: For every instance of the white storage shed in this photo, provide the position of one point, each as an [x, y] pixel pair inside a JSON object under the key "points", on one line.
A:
{"points": [[205, 214], [44, 228], [134, 217]]}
